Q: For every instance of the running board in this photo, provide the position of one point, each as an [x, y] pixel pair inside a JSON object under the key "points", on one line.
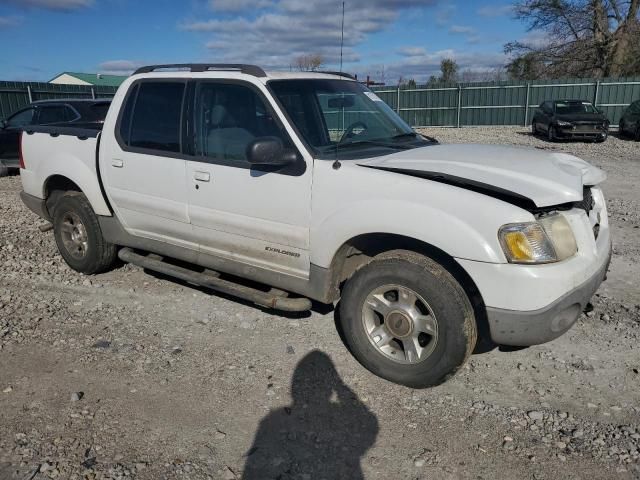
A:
{"points": [[276, 299]]}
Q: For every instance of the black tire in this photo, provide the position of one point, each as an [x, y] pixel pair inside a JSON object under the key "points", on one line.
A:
{"points": [[534, 130], [551, 133], [456, 326], [621, 132], [637, 134], [73, 217]]}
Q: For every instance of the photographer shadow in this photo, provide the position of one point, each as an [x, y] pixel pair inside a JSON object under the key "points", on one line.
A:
{"points": [[323, 434]]}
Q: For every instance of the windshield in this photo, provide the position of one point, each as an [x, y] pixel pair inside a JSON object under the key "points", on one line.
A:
{"points": [[569, 108], [342, 118]]}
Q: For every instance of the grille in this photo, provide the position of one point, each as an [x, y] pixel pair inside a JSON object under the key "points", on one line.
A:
{"points": [[586, 203]]}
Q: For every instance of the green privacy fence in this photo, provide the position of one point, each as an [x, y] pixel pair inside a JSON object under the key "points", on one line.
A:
{"points": [[15, 95], [504, 103]]}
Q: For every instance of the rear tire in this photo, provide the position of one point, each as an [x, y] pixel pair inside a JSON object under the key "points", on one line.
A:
{"points": [[621, 132], [79, 237], [534, 129], [418, 343]]}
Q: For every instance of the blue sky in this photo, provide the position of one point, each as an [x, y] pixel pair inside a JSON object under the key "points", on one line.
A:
{"points": [[40, 38]]}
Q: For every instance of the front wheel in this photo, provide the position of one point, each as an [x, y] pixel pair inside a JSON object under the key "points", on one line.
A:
{"points": [[551, 133], [406, 319], [79, 237]]}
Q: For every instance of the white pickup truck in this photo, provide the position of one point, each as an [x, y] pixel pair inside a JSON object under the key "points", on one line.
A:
{"points": [[230, 177]]}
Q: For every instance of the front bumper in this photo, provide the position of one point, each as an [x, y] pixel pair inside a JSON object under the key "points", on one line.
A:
{"points": [[522, 328], [581, 132], [532, 304]]}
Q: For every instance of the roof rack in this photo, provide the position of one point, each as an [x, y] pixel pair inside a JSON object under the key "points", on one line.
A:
{"points": [[205, 67], [340, 74]]}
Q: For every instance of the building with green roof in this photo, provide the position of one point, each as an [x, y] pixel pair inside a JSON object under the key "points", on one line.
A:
{"points": [[95, 79]]}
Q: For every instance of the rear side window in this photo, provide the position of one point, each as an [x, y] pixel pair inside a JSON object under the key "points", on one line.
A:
{"points": [[152, 116], [53, 114]]}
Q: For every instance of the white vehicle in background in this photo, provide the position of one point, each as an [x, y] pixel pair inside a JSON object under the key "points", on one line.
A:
{"points": [[310, 184]]}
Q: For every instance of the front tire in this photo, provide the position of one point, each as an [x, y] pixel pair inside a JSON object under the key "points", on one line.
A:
{"points": [[79, 237], [551, 133], [406, 319]]}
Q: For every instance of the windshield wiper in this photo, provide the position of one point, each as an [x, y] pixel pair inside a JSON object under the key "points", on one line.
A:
{"points": [[400, 136], [374, 143]]}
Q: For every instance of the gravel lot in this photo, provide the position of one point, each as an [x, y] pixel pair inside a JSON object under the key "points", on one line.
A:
{"points": [[129, 375]]}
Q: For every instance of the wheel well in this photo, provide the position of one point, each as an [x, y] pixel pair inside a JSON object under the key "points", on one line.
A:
{"points": [[359, 251], [54, 187]]}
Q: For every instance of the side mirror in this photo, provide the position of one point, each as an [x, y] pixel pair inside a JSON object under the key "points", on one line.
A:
{"points": [[269, 151]]}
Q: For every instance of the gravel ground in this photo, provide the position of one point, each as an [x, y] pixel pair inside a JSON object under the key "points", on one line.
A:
{"points": [[129, 375]]}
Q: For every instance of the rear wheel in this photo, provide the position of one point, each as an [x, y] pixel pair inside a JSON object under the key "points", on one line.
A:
{"points": [[406, 319], [534, 129], [79, 237], [621, 128]]}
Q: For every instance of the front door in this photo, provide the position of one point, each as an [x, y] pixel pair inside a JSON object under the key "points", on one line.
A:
{"points": [[144, 171], [257, 216]]}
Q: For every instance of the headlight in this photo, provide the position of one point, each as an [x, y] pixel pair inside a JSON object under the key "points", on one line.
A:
{"points": [[548, 240], [562, 123]]}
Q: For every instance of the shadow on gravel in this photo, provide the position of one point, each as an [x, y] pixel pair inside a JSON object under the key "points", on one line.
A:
{"points": [[323, 434]]}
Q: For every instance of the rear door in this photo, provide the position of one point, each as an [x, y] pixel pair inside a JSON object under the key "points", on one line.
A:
{"points": [[144, 169], [257, 216], [10, 135]]}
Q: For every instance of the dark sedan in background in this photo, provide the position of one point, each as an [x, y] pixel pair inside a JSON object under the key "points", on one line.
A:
{"points": [[46, 112], [570, 119], [630, 121]]}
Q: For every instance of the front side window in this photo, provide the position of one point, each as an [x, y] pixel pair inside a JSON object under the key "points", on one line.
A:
{"points": [[152, 116], [52, 114], [228, 117], [344, 116], [21, 119]]}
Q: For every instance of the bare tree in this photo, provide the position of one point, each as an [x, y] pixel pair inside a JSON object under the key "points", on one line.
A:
{"points": [[582, 38], [449, 69], [309, 62]]}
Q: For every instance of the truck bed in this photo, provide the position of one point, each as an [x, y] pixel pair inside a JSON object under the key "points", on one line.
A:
{"points": [[67, 151]]}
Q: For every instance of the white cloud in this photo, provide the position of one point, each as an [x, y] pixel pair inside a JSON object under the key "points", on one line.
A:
{"points": [[421, 66], [463, 29], [495, 10], [119, 67], [10, 21], [58, 5], [238, 5], [535, 39], [274, 32]]}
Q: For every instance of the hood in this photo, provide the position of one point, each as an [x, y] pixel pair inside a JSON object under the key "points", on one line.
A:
{"points": [[582, 117], [542, 177]]}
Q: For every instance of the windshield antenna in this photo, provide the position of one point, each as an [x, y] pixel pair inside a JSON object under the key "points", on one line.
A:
{"points": [[342, 37], [336, 163]]}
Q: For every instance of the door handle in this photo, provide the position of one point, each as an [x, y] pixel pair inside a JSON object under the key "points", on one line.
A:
{"points": [[202, 176], [116, 162]]}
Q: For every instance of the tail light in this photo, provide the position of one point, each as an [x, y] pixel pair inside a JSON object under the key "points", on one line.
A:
{"points": [[20, 151]]}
